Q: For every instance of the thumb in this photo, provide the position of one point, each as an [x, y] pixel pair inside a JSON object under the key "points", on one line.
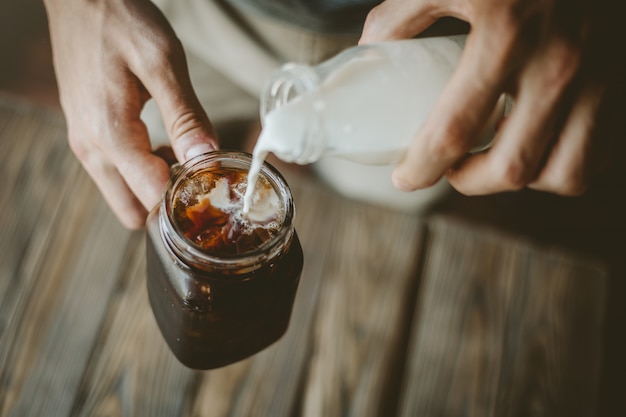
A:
{"points": [[188, 126], [397, 19], [190, 131]]}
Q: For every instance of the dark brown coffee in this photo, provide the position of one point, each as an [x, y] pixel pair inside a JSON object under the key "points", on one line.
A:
{"points": [[216, 222], [221, 285]]}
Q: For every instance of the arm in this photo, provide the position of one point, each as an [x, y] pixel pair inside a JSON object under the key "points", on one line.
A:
{"points": [[111, 57]]}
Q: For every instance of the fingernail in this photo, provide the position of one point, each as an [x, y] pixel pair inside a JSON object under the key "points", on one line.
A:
{"points": [[198, 149], [399, 183], [402, 186]]}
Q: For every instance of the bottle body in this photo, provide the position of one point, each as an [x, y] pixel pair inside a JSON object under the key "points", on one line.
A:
{"points": [[218, 293], [354, 116], [365, 104]]}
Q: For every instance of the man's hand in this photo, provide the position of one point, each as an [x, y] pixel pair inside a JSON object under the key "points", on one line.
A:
{"points": [[111, 57], [550, 56]]}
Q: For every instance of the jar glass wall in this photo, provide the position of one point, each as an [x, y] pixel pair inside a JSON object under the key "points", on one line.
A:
{"points": [[222, 285]]}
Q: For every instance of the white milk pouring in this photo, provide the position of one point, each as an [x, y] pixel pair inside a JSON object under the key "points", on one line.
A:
{"points": [[366, 104]]}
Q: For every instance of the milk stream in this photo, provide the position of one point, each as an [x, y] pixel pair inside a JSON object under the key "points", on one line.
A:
{"points": [[227, 198], [367, 110]]}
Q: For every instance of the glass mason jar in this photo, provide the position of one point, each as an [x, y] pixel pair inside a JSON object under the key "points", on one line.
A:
{"points": [[222, 285]]}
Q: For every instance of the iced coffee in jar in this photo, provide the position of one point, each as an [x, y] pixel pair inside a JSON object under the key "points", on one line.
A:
{"points": [[222, 283]]}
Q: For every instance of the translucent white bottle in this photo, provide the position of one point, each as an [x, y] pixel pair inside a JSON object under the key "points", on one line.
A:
{"points": [[364, 105]]}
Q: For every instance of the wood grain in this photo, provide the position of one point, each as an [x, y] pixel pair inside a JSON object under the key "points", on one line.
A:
{"points": [[396, 315], [60, 284], [504, 328], [373, 257]]}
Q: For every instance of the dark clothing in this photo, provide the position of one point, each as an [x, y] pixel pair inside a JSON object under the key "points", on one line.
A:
{"points": [[326, 16]]}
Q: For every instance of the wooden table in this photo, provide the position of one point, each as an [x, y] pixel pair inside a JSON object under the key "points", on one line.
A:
{"points": [[396, 315]]}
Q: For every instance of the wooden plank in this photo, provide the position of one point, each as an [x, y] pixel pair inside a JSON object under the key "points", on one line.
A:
{"points": [[60, 321], [33, 164], [368, 284], [504, 328], [60, 282], [501, 326], [32, 150], [131, 371]]}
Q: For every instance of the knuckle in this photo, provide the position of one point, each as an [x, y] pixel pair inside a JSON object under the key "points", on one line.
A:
{"points": [[380, 17], [185, 122], [450, 144], [78, 146], [413, 182], [374, 17], [384, 21], [518, 23], [133, 220], [160, 54], [89, 154], [514, 174], [563, 63], [574, 189], [567, 182]]}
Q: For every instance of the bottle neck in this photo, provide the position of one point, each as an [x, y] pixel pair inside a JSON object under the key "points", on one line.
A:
{"points": [[294, 134], [291, 81]]}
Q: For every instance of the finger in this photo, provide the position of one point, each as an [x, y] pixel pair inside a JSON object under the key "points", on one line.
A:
{"points": [[166, 153], [128, 209], [573, 160], [395, 19], [523, 143], [144, 171], [168, 82], [459, 117]]}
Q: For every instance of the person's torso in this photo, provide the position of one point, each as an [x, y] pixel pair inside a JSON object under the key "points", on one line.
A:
{"points": [[326, 16]]}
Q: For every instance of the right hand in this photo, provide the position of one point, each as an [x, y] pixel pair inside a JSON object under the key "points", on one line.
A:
{"points": [[110, 58], [554, 57]]}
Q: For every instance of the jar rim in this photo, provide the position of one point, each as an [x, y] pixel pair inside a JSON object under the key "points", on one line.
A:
{"points": [[194, 255]]}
